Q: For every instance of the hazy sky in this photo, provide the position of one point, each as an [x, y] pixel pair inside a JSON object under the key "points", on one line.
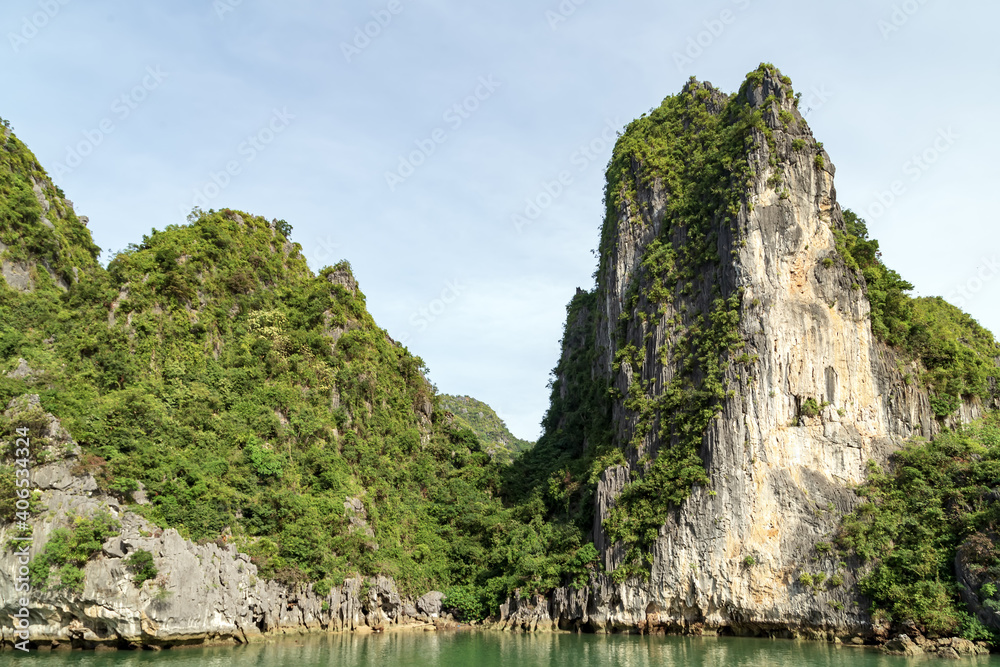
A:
{"points": [[409, 150]]}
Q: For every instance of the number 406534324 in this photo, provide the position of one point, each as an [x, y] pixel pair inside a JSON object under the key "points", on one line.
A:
{"points": [[22, 452]]}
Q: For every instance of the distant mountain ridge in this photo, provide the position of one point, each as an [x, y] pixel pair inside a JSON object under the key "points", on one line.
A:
{"points": [[482, 420]]}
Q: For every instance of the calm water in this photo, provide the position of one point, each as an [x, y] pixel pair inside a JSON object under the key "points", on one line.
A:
{"points": [[466, 649]]}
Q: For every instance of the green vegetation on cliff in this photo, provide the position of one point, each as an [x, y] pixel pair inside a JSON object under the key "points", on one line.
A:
{"points": [[66, 553], [697, 146], [934, 496], [482, 420], [959, 356], [56, 238]]}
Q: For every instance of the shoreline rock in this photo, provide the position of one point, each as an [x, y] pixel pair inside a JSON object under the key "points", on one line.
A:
{"points": [[203, 594]]}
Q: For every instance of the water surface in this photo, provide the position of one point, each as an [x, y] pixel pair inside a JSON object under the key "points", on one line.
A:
{"points": [[489, 649]]}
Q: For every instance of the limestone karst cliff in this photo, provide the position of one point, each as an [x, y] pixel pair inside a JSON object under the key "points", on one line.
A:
{"points": [[746, 389]]}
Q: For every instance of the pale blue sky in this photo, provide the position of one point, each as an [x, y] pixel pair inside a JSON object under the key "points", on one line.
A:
{"points": [[309, 130]]}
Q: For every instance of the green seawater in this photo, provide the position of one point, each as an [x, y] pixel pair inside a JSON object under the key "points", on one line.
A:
{"points": [[486, 649]]}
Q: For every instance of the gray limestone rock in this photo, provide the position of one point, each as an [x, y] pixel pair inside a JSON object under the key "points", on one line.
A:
{"points": [[356, 514], [139, 495], [903, 645], [345, 279], [17, 275], [430, 604], [21, 372]]}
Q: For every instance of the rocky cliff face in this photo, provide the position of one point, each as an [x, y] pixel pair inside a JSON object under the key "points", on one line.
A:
{"points": [[812, 396], [203, 593]]}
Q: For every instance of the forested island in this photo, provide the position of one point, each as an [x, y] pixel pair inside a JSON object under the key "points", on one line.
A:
{"points": [[753, 428]]}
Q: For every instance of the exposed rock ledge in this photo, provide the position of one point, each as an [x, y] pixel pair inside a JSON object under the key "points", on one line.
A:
{"points": [[204, 593], [590, 610]]}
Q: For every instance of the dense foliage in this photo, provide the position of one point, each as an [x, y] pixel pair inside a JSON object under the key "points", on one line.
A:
{"points": [[68, 550], [142, 567], [54, 239], [958, 354], [914, 516]]}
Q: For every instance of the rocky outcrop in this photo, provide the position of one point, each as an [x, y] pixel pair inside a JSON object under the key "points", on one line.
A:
{"points": [[356, 514], [203, 593], [16, 273], [430, 604], [21, 372], [733, 556], [902, 645], [977, 574], [947, 647], [342, 275]]}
